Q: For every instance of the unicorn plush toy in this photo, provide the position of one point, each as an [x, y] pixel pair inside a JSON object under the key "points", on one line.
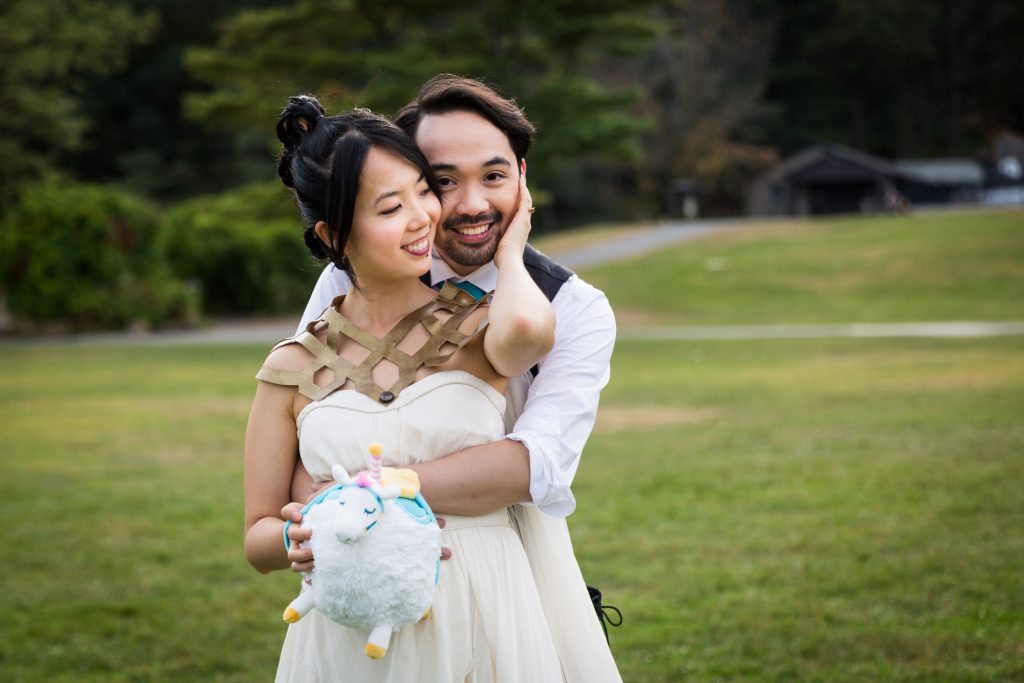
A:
{"points": [[377, 553]]}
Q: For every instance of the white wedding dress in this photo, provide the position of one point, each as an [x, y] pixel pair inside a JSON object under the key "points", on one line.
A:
{"points": [[508, 609]]}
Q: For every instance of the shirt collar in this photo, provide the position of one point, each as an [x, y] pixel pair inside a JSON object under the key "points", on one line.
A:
{"points": [[485, 277]]}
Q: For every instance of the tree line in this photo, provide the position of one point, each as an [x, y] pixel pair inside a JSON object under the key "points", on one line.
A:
{"points": [[169, 101]]}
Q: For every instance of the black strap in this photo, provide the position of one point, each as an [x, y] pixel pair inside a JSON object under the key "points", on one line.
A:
{"points": [[548, 275], [604, 612]]}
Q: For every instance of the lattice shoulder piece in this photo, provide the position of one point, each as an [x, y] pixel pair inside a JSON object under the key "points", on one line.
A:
{"points": [[444, 340]]}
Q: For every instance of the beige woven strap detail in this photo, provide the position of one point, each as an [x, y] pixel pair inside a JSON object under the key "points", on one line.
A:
{"points": [[451, 299]]}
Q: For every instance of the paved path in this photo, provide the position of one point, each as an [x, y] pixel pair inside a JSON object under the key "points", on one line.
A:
{"points": [[620, 248], [826, 331], [268, 332], [645, 241]]}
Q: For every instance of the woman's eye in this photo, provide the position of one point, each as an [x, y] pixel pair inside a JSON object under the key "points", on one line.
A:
{"points": [[390, 212], [424, 192]]}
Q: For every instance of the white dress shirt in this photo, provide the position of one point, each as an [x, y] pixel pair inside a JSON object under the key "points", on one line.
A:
{"points": [[552, 414]]}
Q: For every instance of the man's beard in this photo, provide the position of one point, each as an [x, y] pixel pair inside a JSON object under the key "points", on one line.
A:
{"points": [[464, 254]]}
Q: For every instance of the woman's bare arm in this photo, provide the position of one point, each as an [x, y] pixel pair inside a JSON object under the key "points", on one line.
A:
{"points": [[521, 322], [271, 450]]}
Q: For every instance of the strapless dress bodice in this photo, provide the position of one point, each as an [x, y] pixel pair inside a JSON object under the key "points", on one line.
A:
{"points": [[442, 413]]}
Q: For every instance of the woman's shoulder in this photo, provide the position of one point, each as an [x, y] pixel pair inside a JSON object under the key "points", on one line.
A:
{"points": [[288, 363], [288, 356]]}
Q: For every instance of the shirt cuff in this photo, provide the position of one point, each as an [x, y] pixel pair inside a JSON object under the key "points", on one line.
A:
{"points": [[548, 490]]}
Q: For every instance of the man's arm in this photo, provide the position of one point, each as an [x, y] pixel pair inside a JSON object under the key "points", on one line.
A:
{"points": [[476, 480], [537, 461]]}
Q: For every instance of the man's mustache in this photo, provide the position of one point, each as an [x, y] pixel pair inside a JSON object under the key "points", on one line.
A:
{"points": [[464, 219]]}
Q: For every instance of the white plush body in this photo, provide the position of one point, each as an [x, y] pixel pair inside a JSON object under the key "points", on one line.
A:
{"points": [[376, 559], [389, 576]]}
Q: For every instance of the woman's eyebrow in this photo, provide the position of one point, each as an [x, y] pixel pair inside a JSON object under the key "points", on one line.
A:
{"points": [[383, 196], [393, 193]]}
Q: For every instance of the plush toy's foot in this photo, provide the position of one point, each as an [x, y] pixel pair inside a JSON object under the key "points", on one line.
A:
{"points": [[291, 615], [426, 615], [377, 643]]}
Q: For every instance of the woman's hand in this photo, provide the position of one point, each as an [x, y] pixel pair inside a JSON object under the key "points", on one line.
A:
{"points": [[513, 242], [301, 558]]}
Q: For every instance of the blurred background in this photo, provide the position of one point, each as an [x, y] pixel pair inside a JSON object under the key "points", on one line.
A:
{"points": [[164, 112], [807, 216]]}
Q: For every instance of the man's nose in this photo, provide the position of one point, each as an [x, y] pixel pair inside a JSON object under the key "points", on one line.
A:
{"points": [[470, 201]]}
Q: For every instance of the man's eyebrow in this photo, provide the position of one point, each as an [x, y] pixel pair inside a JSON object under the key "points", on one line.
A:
{"points": [[496, 161]]}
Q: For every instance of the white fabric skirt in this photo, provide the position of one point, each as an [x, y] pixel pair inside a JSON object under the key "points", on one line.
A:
{"points": [[487, 623]]}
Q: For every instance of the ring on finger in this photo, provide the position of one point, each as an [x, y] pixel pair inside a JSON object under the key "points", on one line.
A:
{"points": [[531, 209]]}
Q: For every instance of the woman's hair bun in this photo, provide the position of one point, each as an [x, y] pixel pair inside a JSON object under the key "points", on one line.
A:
{"points": [[297, 120]]}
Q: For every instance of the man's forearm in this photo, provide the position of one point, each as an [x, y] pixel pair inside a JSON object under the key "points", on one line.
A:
{"points": [[476, 480]]}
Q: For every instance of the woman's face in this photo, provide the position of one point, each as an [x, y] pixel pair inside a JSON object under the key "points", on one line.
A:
{"points": [[394, 220]]}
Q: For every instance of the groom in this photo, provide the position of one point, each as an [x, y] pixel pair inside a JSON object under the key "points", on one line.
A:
{"points": [[476, 141]]}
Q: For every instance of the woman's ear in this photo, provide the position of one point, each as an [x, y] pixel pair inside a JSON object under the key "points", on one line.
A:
{"points": [[321, 231]]}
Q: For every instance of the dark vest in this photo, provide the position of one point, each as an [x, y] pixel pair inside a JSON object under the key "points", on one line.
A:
{"points": [[548, 275]]}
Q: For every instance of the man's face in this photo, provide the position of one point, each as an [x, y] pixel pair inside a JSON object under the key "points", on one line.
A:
{"points": [[479, 181]]}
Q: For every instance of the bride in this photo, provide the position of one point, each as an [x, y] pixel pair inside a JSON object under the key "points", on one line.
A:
{"points": [[419, 371]]}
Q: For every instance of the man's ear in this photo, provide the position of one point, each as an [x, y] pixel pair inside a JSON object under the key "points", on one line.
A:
{"points": [[522, 166]]}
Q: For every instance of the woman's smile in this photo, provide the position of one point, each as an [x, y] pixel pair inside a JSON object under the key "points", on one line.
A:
{"points": [[420, 247]]}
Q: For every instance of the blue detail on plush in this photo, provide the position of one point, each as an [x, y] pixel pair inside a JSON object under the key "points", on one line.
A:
{"points": [[416, 508]]}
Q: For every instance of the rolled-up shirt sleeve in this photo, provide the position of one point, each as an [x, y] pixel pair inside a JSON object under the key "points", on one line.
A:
{"points": [[561, 405]]}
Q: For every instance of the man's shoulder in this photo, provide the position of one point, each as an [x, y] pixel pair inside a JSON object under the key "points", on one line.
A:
{"points": [[549, 275]]}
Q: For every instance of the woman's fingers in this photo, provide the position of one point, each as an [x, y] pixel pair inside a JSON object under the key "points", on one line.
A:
{"points": [[292, 512], [518, 230], [301, 557]]}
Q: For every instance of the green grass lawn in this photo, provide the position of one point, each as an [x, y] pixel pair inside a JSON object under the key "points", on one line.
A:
{"points": [[813, 510], [965, 266]]}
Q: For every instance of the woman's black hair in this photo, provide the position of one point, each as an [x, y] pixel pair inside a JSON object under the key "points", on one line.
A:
{"points": [[322, 160]]}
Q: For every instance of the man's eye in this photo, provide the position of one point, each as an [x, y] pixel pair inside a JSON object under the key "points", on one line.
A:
{"points": [[492, 177], [445, 182]]}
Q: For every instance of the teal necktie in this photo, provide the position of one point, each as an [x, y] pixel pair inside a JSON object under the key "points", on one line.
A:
{"points": [[467, 286]]}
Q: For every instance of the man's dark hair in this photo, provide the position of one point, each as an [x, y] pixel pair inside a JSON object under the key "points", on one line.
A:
{"points": [[446, 93]]}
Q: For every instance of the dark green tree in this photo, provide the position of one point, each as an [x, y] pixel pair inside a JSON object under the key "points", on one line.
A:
{"points": [[139, 135], [550, 56], [897, 77], [48, 48]]}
